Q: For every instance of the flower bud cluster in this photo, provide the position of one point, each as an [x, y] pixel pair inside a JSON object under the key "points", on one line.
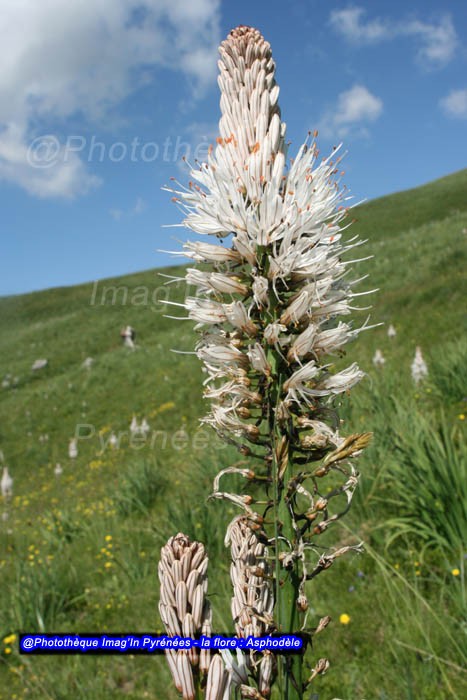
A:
{"points": [[252, 604], [251, 576], [184, 608]]}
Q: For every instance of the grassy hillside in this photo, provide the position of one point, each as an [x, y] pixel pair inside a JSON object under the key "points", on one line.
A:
{"points": [[79, 551]]}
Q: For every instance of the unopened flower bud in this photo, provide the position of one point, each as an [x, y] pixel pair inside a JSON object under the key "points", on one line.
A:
{"points": [[322, 624], [322, 666]]}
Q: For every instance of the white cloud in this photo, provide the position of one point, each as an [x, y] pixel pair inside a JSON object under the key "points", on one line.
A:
{"points": [[354, 109], [81, 59], [349, 22], [455, 104], [436, 41], [64, 175], [357, 104]]}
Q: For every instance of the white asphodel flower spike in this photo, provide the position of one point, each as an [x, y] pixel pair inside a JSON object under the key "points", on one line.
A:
{"points": [[268, 301], [6, 484], [418, 367], [73, 448], [378, 359]]}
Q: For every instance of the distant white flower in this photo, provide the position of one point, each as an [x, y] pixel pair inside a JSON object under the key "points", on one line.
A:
{"points": [[379, 359], [58, 469], [6, 484], [144, 427], [73, 448], [134, 427], [113, 440], [88, 362], [418, 367], [392, 331], [39, 364], [128, 336]]}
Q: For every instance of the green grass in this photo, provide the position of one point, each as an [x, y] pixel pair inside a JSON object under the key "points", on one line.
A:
{"points": [[79, 552]]}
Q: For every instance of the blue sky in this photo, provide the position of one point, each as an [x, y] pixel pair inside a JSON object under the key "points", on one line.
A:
{"points": [[100, 99]]}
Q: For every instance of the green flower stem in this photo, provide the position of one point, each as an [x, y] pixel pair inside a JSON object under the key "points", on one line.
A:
{"points": [[286, 602], [287, 581]]}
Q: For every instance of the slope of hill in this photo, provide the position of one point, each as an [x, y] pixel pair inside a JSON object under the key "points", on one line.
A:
{"points": [[79, 551]]}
